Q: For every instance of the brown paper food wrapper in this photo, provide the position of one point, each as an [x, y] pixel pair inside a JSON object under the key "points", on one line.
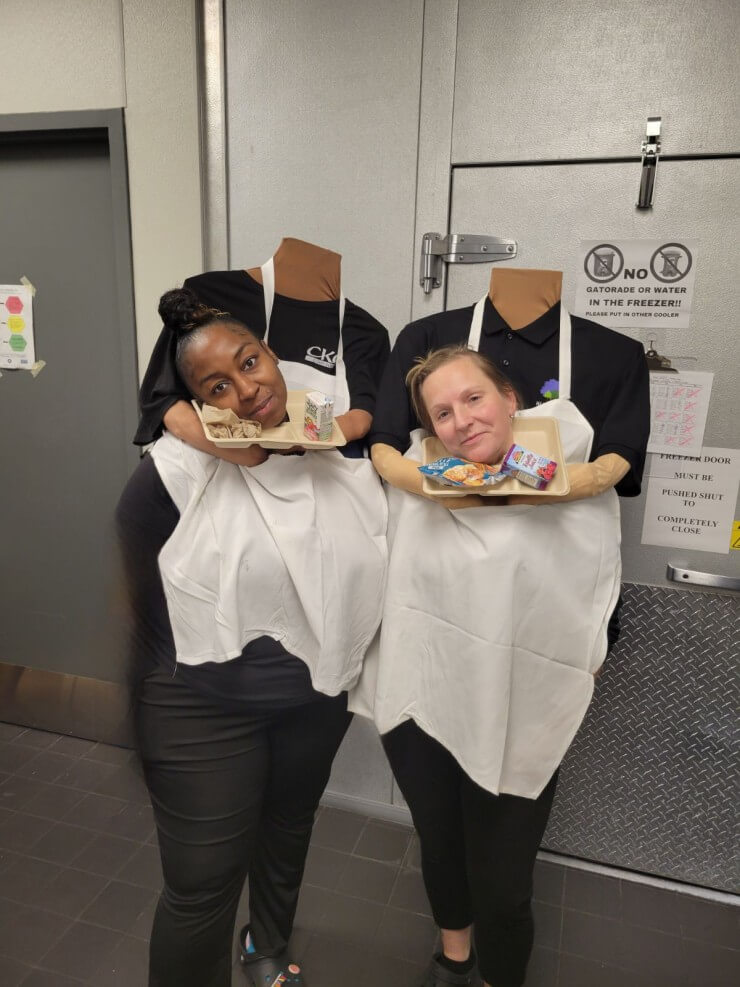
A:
{"points": [[223, 423]]}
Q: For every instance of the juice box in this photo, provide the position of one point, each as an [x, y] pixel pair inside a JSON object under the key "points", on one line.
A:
{"points": [[529, 467], [319, 416]]}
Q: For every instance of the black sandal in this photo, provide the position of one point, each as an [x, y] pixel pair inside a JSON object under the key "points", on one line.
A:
{"points": [[268, 971], [440, 976]]}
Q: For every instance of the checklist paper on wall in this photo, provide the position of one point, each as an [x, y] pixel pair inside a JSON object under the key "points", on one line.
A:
{"points": [[16, 327], [678, 411]]}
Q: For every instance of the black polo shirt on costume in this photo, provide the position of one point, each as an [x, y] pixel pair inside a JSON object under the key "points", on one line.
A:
{"points": [[297, 329], [609, 378]]}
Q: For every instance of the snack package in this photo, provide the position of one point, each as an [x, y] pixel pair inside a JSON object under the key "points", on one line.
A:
{"points": [[455, 472], [529, 467], [319, 416]]}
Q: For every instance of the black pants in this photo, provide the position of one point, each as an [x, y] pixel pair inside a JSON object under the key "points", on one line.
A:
{"points": [[233, 793], [477, 851]]}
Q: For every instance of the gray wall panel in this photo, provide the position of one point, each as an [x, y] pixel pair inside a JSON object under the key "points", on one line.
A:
{"points": [[361, 769], [61, 56], [537, 80], [322, 117]]}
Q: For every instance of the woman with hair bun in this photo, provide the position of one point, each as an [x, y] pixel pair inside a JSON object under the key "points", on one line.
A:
{"points": [[295, 302], [255, 592]]}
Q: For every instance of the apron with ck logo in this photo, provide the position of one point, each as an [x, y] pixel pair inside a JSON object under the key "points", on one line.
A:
{"points": [[294, 549], [495, 617], [303, 376]]}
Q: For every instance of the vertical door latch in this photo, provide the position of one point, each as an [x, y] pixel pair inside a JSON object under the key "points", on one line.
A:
{"points": [[650, 155], [459, 248]]}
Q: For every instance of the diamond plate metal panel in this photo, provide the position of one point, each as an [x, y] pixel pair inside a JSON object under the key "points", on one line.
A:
{"points": [[651, 781]]}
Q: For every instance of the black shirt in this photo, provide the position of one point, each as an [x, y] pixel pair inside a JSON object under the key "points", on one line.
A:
{"points": [[610, 384], [297, 328], [263, 678]]}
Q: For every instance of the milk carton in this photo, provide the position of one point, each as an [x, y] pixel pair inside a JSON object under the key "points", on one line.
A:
{"points": [[319, 416]]}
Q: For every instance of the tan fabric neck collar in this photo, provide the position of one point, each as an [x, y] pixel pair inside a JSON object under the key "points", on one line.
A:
{"points": [[304, 271], [521, 296]]}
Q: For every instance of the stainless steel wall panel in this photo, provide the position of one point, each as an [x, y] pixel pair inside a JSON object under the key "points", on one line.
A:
{"points": [[651, 781]]}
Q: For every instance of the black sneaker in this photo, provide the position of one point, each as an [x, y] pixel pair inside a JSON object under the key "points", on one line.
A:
{"points": [[440, 976]]}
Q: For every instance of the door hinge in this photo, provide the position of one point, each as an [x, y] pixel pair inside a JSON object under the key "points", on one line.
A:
{"points": [[459, 248]]}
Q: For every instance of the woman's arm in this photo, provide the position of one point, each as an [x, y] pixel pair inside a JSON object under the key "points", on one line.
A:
{"points": [[355, 423], [396, 469], [181, 420]]}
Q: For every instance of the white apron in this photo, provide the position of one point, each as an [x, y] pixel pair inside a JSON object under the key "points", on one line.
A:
{"points": [[495, 617], [292, 549], [302, 376]]}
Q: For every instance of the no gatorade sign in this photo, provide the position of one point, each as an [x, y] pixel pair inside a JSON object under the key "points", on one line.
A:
{"points": [[641, 283]]}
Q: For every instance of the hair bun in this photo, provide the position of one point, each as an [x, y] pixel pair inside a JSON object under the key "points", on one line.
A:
{"points": [[179, 309]]}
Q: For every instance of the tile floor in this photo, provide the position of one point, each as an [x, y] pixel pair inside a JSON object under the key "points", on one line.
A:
{"points": [[79, 875]]}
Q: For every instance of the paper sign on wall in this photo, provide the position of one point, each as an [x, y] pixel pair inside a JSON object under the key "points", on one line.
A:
{"points": [[16, 327], [691, 501], [640, 283], [678, 411]]}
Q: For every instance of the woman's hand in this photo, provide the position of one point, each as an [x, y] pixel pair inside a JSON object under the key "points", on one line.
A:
{"points": [[461, 503], [249, 456], [290, 451], [473, 500]]}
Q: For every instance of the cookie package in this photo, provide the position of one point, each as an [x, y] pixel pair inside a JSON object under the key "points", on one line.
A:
{"points": [[456, 472]]}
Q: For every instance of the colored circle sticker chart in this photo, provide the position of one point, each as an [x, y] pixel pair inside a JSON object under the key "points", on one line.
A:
{"points": [[16, 327]]}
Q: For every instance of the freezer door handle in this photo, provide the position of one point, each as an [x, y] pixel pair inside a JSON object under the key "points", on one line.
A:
{"points": [[713, 579], [650, 156]]}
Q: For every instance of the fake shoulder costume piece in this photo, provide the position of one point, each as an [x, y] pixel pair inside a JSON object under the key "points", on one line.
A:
{"points": [[496, 617]]}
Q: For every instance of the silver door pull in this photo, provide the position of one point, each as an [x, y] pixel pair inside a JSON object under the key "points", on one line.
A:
{"points": [[702, 578], [650, 155]]}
